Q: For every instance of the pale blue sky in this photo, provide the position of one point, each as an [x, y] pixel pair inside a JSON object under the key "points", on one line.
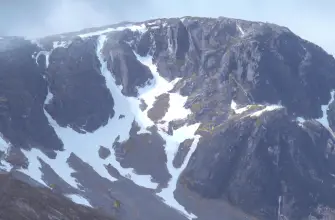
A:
{"points": [[311, 19]]}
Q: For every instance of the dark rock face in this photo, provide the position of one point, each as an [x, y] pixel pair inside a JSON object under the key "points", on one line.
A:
{"points": [[54, 181], [331, 115], [17, 158], [141, 151], [19, 200], [22, 94], [293, 70], [266, 63], [159, 108], [104, 152], [136, 202], [127, 70], [81, 99], [182, 152], [253, 165]]}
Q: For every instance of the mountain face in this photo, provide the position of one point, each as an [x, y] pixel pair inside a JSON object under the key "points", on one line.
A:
{"points": [[182, 118]]}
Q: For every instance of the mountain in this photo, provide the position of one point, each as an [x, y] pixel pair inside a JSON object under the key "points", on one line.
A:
{"points": [[180, 118]]}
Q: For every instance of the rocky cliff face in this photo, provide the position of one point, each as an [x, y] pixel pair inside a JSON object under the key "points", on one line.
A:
{"points": [[174, 118]]}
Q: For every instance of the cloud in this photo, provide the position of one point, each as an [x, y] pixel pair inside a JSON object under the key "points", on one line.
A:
{"points": [[64, 16], [34, 18]]}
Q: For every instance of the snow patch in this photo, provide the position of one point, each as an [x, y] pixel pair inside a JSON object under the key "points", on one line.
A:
{"points": [[46, 54], [240, 29], [176, 109], [4, 147], [258, 113], [279, 207], [60, 44], [324, 119], [266, 109], [86, 146], [55, 45], [300, 121], [236, 110], [158, 86], [79, 199], [171, 148], [140, 28], [156, 22]]}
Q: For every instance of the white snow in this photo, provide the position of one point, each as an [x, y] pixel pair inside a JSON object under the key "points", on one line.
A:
{"points": [[86, 146], [46, 54], [240, 29], [79, 199], [158, 84], [172, 144], [55, 45], [4, 147], [323, 120], [176, 111], [141, 28], [233, 106], [258, 113], [268, 108], [34, 165], [156, 22], [279, 206], [300, 121], [58, 164], [60, 44]]}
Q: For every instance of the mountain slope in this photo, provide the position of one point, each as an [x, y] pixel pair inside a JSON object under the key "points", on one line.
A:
{"points": [[197, 118], [22, 201]]}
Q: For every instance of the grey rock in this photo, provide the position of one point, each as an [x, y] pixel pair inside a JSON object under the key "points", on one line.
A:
{"points": [[104, 152]]}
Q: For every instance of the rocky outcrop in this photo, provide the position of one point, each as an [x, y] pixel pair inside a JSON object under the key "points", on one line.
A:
{"points": [[22, 94], [20, 200], [81, 99], [127, 70], [141, 151], [182, 152], [159, 108], [266, 165], [104, 152]]}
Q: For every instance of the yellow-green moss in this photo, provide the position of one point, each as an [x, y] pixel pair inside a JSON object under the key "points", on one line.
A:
{"points": [[3, 99], [258, 122], [196, 107]]}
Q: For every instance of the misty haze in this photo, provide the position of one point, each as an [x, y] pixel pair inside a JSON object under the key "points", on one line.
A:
{"points": [[34, 18]]}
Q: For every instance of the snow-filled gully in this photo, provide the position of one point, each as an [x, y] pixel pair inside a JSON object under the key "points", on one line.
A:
{"points": [[86, 146], [324, 118]]}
